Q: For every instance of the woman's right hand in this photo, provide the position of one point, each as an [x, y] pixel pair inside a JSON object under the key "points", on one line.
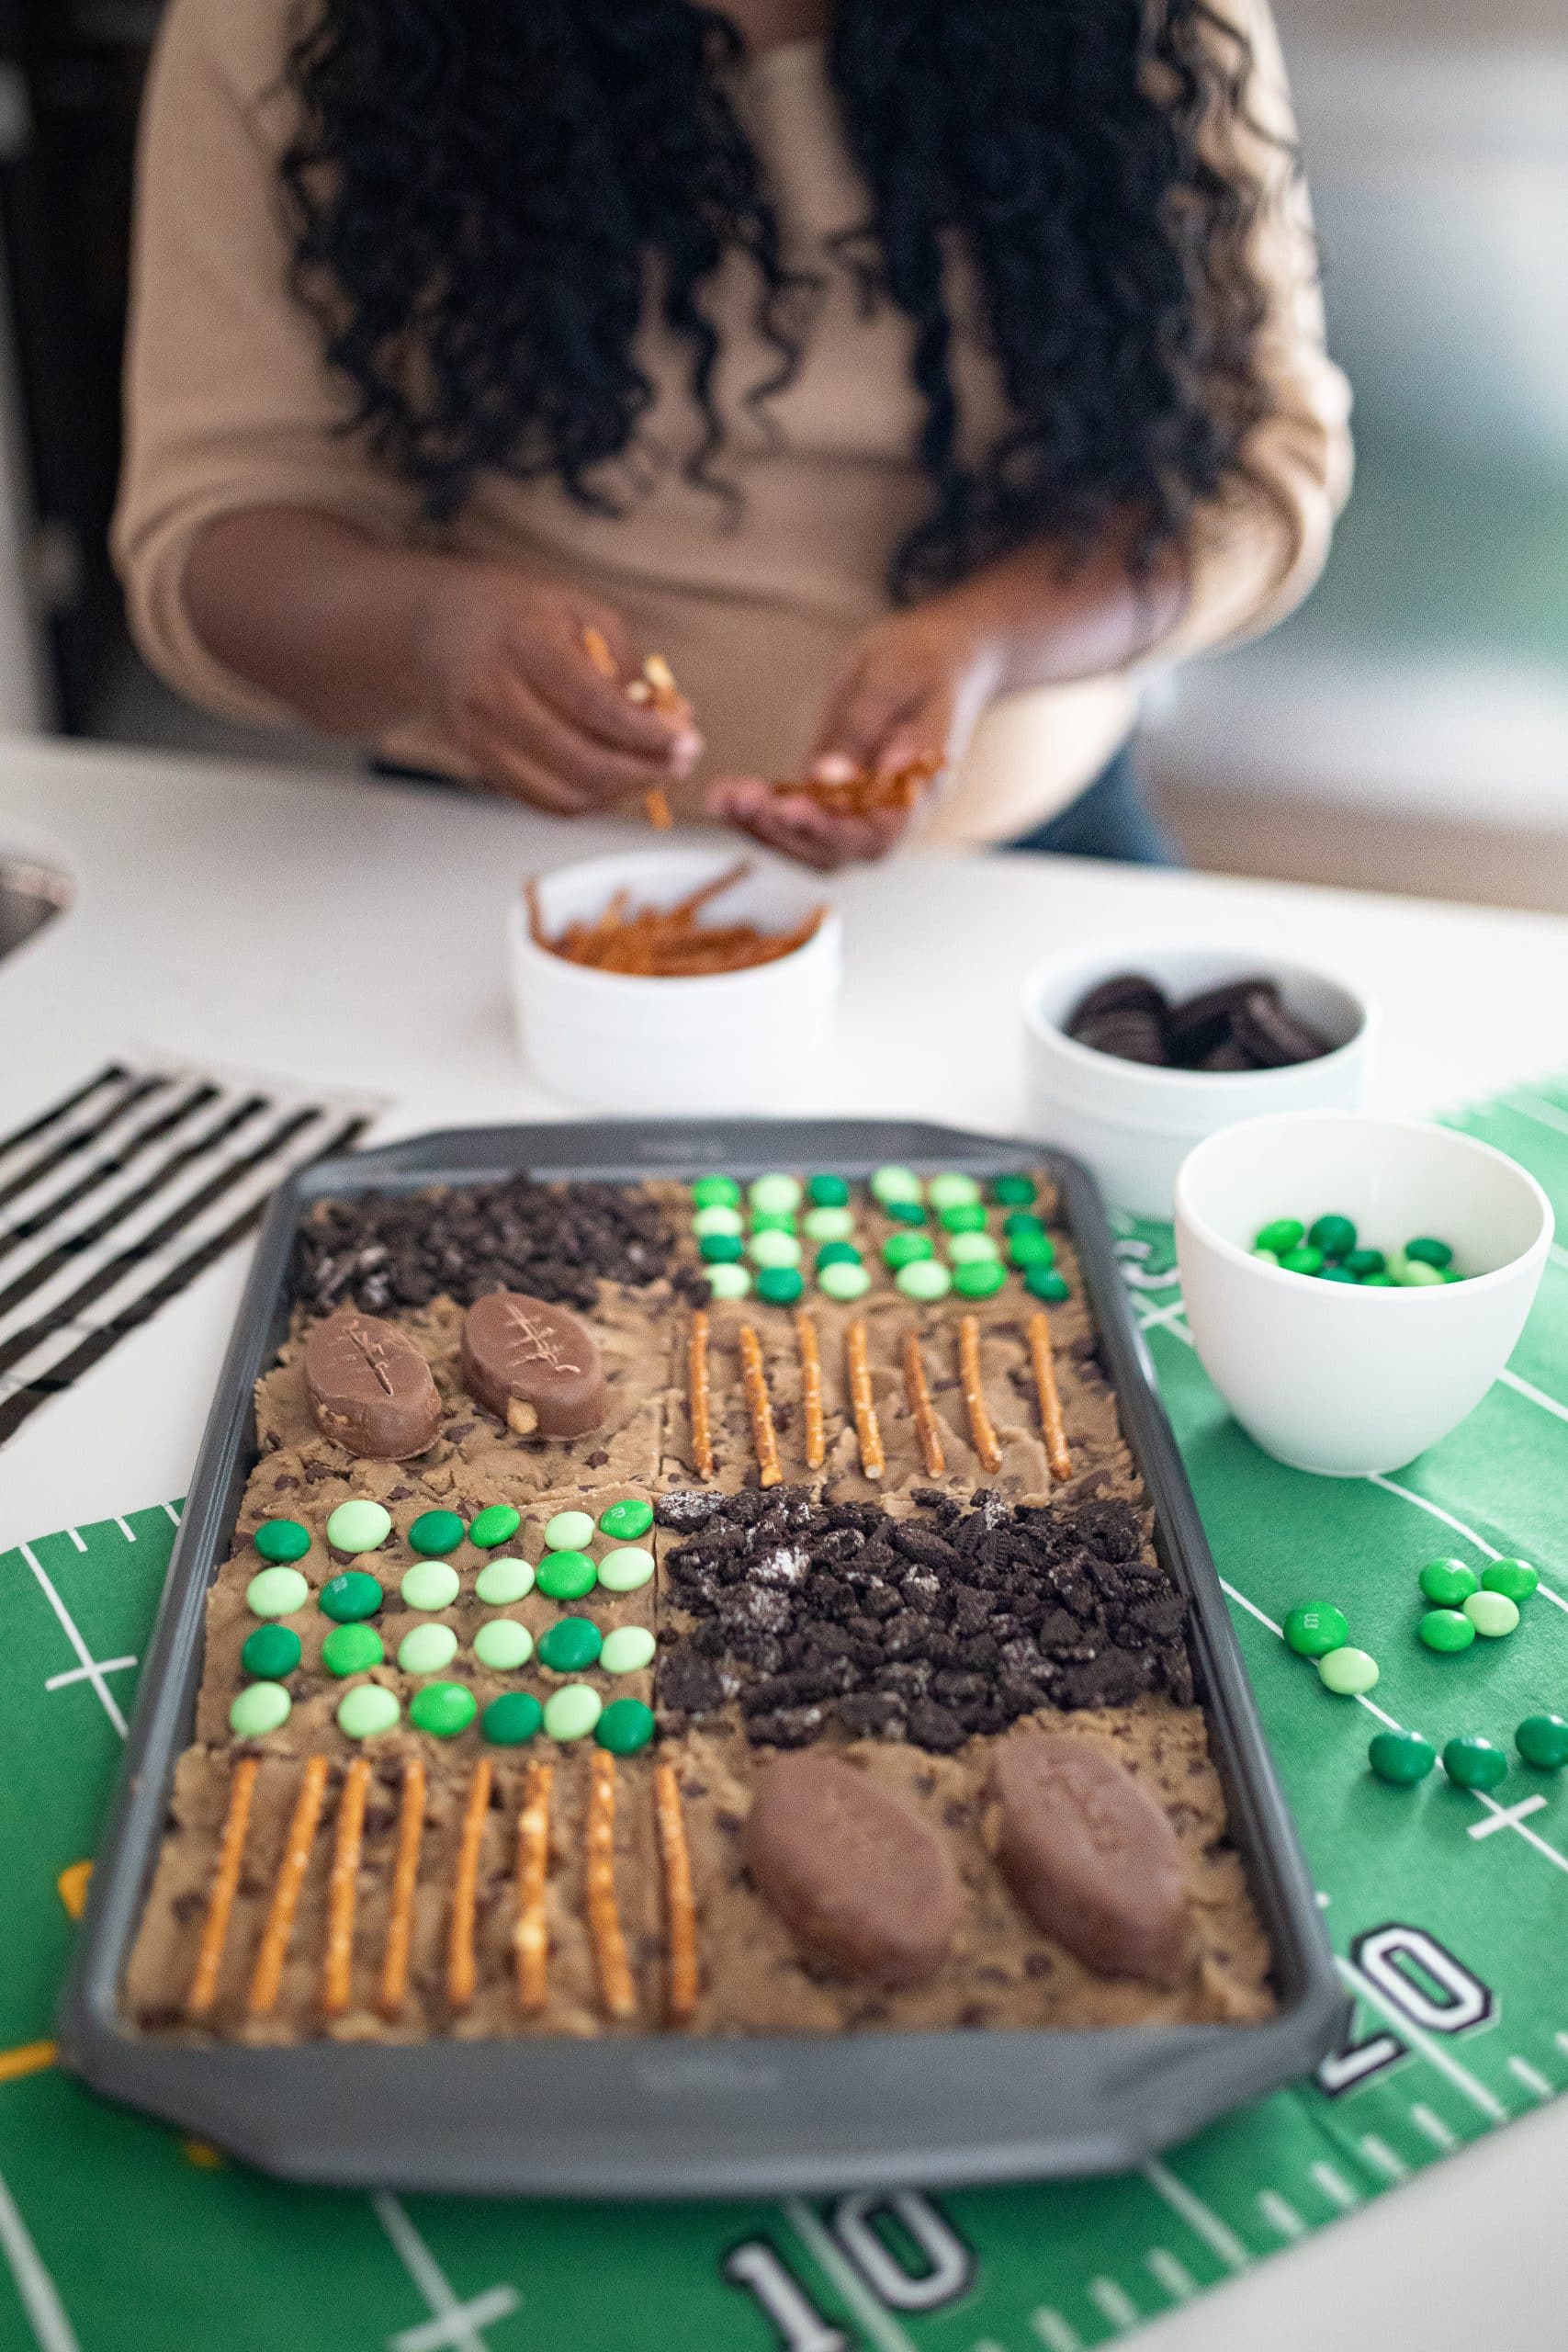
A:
{"points": [[507, 677]]}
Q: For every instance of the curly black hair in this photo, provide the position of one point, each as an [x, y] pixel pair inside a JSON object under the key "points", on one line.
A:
{"points": [[481, 192]]}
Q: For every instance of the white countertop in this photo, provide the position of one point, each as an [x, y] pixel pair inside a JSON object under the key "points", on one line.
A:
{"points": [[349, 937]]}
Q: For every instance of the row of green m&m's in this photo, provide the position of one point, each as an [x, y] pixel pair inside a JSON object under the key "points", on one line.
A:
{"points": [[1329, 1249], [1470, 1759], [1465, 1604]]}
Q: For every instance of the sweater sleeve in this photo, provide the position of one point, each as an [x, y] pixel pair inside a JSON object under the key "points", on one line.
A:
{"points": [[229, 402], [1257, 550]]}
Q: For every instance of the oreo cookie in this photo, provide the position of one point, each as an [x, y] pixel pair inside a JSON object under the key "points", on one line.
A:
{"points": [[1239, 1025]]}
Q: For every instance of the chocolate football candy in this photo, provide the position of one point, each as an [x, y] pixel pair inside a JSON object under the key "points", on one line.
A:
{"points": [[369, 1388], [856, 1877], [1089, 1856], [533, 1365]]}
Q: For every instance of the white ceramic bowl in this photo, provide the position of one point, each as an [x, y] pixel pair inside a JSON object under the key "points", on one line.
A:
{"points": [[731, 1041], [1134, 1125], [1325, 1375]]}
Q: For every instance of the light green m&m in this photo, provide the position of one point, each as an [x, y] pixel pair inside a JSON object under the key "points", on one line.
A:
{"points": [[895, 1184], [282, 1540], [952, 1192], [972, 1248], [504, 1645], [772, 1249], [718, 1219], [627, 1650], [496, 1523], [430, 1584], [627, 1568], [277, 1592], [428, 1649], [569, 1530], [259, 1707], [843, 1282], [358, 1526], [502, 1581], [728, 1282], [828, 1224], [367, 1710], [572, 1712], [1347, 1672], [770, 1193], [1493, 1614], [925, 1280]]}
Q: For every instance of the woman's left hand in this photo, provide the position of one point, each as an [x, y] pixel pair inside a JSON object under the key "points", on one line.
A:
{"points": [[911, 688]]}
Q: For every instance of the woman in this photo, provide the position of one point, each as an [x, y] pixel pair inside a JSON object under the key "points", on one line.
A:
{"points": [[911, 374]]}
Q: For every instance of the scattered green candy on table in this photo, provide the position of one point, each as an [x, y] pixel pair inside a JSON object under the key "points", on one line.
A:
{"points": [[952, 1192], [1424, 1249], [1515, 1578], [907, 1249], [626, 1569], [427, 1649], [839, 1253], [1493, 1614], [282, 1540], [973, 1249], [496, 1523], [775, 1193], [981, 1278], [1448, 1584], [828, 1225], [271, 1652], [1542, 1740], [565, 1575], [358, 1526], [508, 1721], [718, 1219], [435, 1532], [261, 1707], [504, 1645], [895, 1184], [1045, 1283], [828, 1192], [1471, 1762], [367, 1710], [1335, 1236], [1447, 1630], [627, 1650], [721, 1248], [774, 1250], [500, 1581], [350, 1596], [1315, 1628], [625, 1727], [443, 1709], [570, 1645], [1349, 1673], [1304, 1259], [728, 1282], [780, 1285], [277, 1592], [775, 1221], [905, 1212], [1011, 1191], [626, 1521], [716, 1192], [1401, 1757], [963, 1216], [1031, 1249], [843, 1282], [572, 1712], [569, 1530], [352, 1649], [1284, 1233]]}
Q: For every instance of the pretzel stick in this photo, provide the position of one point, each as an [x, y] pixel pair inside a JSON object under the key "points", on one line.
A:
{"points": [[701, 1400], [811, 1389], [343, 1889], [400, 1908], [460, 1970], [604, 661], [873, 1461], [267, 1978], [919, 1397], [1051, 1420], [680, 1909], [531, 1936], [604, 1915], [980, 1427], [756, 1384], [225, 1887]]}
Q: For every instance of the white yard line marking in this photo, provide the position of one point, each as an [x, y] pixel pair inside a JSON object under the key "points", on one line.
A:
{"points": [[1113, 2302], [1280, 2214], [1536, 1395], [1520, 1830], [1381, 2156], [92, 1672], [1561, 2041], [1054, 2331], [173, 1513], [1217, 2235], [35, 2289], [1436, 1510], [118, 1666], [127, 1530], [1334, 2187], [1173, 2275], [880, 2326], [1432, 2127], [76, 1539], [1165, 1316], [1507, 1817], [1429, 2045], [1252, 1608], [1534, 2081], [1545, 1114], [452, 2322]]}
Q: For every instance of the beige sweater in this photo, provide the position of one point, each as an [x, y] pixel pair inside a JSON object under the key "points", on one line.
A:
{"points": [[229, 404]]}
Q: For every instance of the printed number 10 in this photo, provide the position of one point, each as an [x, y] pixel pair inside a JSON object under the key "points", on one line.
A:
{"points": [[946, 2268]]}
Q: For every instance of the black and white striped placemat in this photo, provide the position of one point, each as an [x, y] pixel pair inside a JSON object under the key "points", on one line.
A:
{"points": [[114, 1198]]}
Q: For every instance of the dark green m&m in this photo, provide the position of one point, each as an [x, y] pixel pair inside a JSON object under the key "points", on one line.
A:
{"points": [[1335, 1236], [1045, 1283], [721, 1248], [827, 1192], [624, 1726], [1401, 1757], [271, 1652], [569, 1645], [780, 1285], [1542, 1740], [1471, 1762], [1016, 1191], [350, 1596], [841, 1254], [282, 1541], [508, 1721], [435, 1532]]}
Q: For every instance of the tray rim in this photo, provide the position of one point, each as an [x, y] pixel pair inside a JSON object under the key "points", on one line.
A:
{"points": [[939, 2109]]}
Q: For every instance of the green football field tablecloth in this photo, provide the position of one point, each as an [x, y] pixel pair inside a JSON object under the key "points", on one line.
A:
{"points": [[1447, 1910]]}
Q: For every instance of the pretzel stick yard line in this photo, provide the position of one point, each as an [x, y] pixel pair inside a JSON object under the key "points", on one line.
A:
{"points": [[267, 1978], [916, 1388], [980, 1429], [394, 1985], [700, 1395], [225, 1887], [615, 1986], [660, 695], [680, 1909], [755, 1380], [811, 1389], [461, 1973], [873, 1461], [1051, 1420], [531, 1936], [343, 1889]]}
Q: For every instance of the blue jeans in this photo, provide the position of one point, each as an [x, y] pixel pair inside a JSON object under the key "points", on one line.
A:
{"points": [[1109, 819]]}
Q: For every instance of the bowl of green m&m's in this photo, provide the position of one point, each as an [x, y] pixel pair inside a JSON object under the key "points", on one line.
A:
{"points": [[1354, 1284]]}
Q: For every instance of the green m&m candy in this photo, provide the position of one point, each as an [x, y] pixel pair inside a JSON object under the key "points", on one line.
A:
{"points": [[271, 1652], [570, 1645], [768, 1193], [508, 1721], [496, 1523], [719, 1218], [1542, 1740], [567, 1575], [1304, 1259], [443, 1709], [774, 1250], [1269, 1256], [895, 1184], [259, 1707], [627, 1650], [728, 1282], [352, 1649], [1493, 1614], [780, 1285], [972, 1248], [1401, 1757], [1447, 1630], [277, 1592], [435, 1532], [624, 1726], [569, 1530], [828, 1192], [1416, 1274], [980, 1278], [963, 1216], [952, 1191], [1349, 1673], [838, 1253], [1362, 1263], [1014, 1191], [349, 1596], [1377, 1282], [1284, 1233], [1425, 1250], [572, 1712], [1339, 1274], [774, 1221], [1044, 1282], [627, 1568], [1031, 1249], [721, 1248], [1335, 1236], [358, 1526], [367, 1710], [906, 1249], [716, 1192], [282, 1540], [1448, 1584], [828, 1225], [1315, 1628], [427, 1649], [1021, 1221], [924, 1280], [905, 1212], [626, 1521], [1471, 1762], [843, 1282], [504, 1645], [1515, 1578], [502, 1581]]}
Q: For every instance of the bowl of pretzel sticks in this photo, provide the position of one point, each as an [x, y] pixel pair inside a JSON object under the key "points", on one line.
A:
{"points": [[675, 980]]}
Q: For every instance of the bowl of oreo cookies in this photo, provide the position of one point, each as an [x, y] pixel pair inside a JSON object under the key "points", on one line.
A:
{"points": [[1136, 1049]]}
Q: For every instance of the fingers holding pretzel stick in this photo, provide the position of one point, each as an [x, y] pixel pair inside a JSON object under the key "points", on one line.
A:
{"points": [[654, 690]]}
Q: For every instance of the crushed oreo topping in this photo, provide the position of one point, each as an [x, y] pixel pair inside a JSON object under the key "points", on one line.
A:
{"points": [[820, 1615]]}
